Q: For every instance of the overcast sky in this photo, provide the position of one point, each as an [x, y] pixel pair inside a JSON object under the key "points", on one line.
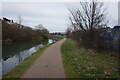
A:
{"points": [[53, 15]]}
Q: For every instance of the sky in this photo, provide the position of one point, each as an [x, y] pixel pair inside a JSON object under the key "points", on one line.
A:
{"points": [[119, 13], [52, 15]]}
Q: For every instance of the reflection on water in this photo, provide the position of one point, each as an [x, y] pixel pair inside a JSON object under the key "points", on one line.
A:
{"points": [[14, 48], [15, 53]]}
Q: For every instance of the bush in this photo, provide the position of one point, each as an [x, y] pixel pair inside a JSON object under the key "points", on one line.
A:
{"points": [[16, 33]]}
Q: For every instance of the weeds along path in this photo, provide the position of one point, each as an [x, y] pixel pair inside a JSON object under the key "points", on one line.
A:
{"points": [[48, 64]]}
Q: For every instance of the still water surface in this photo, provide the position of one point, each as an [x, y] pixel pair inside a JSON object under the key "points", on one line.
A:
{"points": [[15, 53]]}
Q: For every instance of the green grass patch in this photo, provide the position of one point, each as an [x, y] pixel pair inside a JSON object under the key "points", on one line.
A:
{"points": [[85, 63], [21, 68]]}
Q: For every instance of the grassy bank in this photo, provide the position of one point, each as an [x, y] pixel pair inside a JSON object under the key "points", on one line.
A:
{"points": [[20, 69], [82, 63]]}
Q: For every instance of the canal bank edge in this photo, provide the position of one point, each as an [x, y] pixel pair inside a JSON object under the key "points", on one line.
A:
{"points": [[22, 67]]}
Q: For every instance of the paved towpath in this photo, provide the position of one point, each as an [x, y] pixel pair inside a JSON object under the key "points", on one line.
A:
{"points": [[48, 64]]}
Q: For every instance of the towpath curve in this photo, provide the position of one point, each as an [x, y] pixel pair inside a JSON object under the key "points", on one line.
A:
{"points": [[48, 64]]}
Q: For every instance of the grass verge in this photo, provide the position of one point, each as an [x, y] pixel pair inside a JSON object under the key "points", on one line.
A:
{"points": [[20, 69], [85, 63]]}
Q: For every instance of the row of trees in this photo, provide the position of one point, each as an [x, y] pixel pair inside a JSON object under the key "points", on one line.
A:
{"points": [[15, 33], [87, 23]]}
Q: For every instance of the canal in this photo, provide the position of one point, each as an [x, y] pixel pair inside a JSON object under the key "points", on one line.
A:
{"points": [[13, 54]]}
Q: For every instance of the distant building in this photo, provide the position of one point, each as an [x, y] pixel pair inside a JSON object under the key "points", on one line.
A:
{"points": [[58, 34], [116, 36], [4, 18], [111, 37], [8, 20]]}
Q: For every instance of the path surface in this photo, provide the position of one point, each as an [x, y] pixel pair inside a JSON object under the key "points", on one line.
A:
{"points": [[48, 64]]}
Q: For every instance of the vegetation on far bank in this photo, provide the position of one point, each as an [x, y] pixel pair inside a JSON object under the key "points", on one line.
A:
{"points": [[15, 32], [85, 63], [21, 68]]}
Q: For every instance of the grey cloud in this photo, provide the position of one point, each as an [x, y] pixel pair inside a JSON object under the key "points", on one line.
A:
{"points": [[52, 15]]}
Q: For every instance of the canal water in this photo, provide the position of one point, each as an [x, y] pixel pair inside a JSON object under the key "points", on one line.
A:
{"points": [[13, 54]]}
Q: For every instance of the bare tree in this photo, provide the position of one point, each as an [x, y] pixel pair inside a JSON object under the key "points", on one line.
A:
{"points": [[68, 31], [87, 20], [88, 16], [20, 20], [39, 27]]}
